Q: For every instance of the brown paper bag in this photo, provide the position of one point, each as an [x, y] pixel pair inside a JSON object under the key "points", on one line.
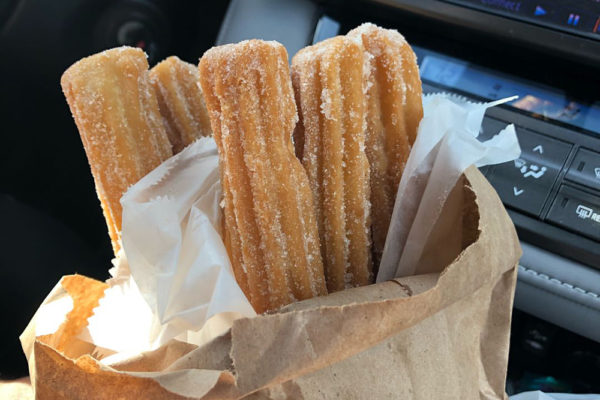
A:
{"points": [[443, 335]]}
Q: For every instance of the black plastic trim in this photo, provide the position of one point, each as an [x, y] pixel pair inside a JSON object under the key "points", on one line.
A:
{"points": [[556, 240], [552, 41]]}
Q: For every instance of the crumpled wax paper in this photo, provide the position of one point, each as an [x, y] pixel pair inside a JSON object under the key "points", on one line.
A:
{"points": [[445, 147], [174, 273]]}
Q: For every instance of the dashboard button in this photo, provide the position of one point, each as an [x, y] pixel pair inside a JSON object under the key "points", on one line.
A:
{"points": [[525, 183], [585, 169], [576, 210]]}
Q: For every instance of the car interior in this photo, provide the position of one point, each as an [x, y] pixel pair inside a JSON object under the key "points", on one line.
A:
{"points": [[546, 52]]}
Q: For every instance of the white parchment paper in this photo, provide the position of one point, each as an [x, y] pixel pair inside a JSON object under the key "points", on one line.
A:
{"points": [[174, 274], [445, 147]]}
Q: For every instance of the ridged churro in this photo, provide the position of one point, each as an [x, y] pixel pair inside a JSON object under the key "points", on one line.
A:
{"points": [[180, 101], [394, 110], [329, 82], [271, 230], [116, 112]]}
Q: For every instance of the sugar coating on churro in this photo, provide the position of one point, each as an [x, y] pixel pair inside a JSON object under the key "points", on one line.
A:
{"points": [[116, 111], [180, 101], [271, 232], [329, 82], [394, 110]]}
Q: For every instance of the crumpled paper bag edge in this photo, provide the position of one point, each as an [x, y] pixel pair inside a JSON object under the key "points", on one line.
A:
{"points": [[91, 379], [244, 340]]}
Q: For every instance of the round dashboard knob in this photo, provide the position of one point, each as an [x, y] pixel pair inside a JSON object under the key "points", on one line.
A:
{"points": [[135, 23]]}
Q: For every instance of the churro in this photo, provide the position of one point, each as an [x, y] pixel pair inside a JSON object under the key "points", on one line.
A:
{"points": [[180, 101], [329, 83], [271, 230], [394, 110], [116, 112]]}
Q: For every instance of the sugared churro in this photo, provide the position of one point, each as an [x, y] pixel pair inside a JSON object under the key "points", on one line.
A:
{"points": [[394, 110], [116, 112], [271, 230], [329, 83], [180, 101]]}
